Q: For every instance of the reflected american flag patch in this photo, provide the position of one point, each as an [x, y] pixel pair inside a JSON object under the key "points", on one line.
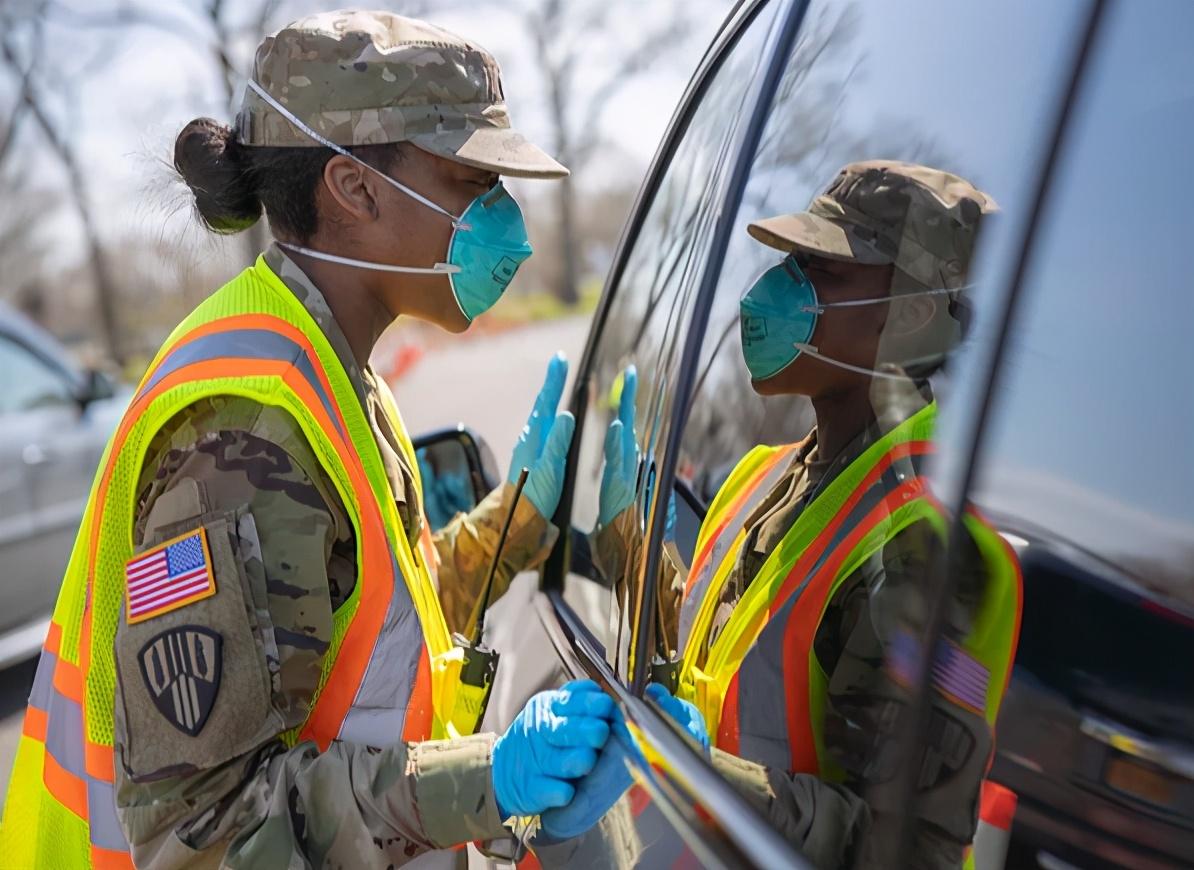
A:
{"points": [[956, 674], [169, 576]]}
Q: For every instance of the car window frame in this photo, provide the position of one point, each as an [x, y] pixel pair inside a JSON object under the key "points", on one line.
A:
{"points": [[729, 832]]}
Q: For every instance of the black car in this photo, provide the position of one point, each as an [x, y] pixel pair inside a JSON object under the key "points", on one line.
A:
{"points": [[1066, 417]]}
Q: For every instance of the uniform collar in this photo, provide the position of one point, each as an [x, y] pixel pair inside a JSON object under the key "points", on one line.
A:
{"points": [[305, 291]]}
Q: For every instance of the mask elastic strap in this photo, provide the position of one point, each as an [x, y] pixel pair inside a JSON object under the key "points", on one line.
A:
{"points": [[437, 269], [812, 351], [327, 143], [854, 303]]}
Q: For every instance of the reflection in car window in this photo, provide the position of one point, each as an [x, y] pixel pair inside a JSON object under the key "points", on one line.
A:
{"points": [[890, 179], [29, 382], [646, 327], [1087, 459]]}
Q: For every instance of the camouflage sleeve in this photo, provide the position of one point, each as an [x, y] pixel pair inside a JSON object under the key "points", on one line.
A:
{"points": [[466, 547], [205, 690], [618, 547], [867, 696], [826, 822]]}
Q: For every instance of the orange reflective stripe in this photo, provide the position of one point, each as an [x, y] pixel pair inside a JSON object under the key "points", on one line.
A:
{"points": [[259, 321], [419, 713], [813, 552], [727, 728], [99, 761], [67, 789], [803, 622], [732, 510], [54, 638], [35, 723], [68, 679], [110, 859]]}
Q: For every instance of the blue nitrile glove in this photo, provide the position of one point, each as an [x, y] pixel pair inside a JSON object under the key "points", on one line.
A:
{"points": [[554, 740], [686, 714], [444, 494], [601, 789], [543, 445], [595, 793], [620, 475]]}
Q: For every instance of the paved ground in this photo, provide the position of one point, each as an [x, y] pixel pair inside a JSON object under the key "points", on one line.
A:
{"points": [[488, 383]]}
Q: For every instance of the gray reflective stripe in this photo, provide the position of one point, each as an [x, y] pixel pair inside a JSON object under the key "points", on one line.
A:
{"points": [[378, 712], [43, 682], [691, 603], [245, 344], [64, 734], [762, 689], [101, 816]]}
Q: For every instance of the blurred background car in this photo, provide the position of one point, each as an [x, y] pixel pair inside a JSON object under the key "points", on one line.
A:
{"points": [[55, 420]]}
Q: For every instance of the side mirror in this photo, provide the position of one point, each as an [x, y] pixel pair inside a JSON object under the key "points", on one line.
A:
{"points": [[458, 471], [93, 387]]}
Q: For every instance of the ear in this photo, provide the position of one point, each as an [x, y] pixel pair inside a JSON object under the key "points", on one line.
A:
{"points": [[351, 186], [911, 314]]}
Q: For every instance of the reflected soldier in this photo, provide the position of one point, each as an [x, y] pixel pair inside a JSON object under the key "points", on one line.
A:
{"points": [[795, 630]]}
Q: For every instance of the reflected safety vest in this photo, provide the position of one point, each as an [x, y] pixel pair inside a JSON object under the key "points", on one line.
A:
{"points": [[391, 669], [759, 685]]}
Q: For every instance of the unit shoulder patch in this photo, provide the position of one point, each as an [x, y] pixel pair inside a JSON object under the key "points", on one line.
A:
{"points": [[169, 576], [181, 668]]}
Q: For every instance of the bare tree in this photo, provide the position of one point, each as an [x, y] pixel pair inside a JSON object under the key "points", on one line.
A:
{"points": [[569, 37], [31, 106]]}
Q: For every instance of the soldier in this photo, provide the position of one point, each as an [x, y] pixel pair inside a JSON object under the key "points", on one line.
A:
{"points": [[251, 651], [794, 629]]}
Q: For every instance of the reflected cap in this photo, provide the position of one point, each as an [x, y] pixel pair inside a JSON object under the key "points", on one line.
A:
{"points": [[924, 221], [369, 78]]}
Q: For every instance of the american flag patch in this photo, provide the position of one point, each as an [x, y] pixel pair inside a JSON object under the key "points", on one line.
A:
{"points": [[956, 674], [169, 576], [961, 677]]}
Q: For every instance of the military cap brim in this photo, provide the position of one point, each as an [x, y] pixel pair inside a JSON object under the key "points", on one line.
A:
{"points": [[503, 151]]}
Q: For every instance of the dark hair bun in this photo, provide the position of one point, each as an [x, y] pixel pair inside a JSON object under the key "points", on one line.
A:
{"points": [[213, 164]]}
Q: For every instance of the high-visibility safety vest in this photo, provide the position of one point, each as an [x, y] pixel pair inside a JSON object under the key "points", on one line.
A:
{"points": [[759, 684], [391, 670]]}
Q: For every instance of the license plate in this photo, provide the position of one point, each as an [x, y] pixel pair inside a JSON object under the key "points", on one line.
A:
{"points": [[1143, 783]]}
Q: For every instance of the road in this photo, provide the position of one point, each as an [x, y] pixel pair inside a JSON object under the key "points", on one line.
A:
{"points": [[488, 383]]}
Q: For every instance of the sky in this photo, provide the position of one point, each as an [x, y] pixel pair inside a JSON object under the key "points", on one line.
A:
{"points": [[150, 82]]}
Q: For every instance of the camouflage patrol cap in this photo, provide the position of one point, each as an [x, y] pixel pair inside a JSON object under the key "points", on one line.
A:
{"points": [[367, 78], [922, 220]]}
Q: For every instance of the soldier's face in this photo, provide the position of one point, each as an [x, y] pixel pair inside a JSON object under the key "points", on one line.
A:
{"points": [[409, 233], [850, 335]]}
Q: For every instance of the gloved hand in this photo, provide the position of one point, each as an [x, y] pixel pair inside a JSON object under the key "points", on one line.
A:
{"points": [[543, 445], [595, 793], [554, 740], [620, 476], [686, 714], [599, 790]]}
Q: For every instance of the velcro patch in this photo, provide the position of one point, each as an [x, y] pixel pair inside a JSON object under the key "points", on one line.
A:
{"points": [[170, 576], [181, 668]]}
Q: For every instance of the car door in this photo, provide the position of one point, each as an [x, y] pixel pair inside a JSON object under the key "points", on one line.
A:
{"points": [[37, 410], [1084, 461], [863, 81]]}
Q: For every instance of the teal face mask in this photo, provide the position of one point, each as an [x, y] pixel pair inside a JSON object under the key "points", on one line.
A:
{"points": [[778, 316], [489, 239]]}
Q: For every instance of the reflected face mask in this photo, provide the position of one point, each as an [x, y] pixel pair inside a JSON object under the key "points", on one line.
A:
{"points": [[488, 244], [778, 316]]}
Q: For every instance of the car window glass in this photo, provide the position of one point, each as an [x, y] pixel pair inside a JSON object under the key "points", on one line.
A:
{"points": [[798, 618], [645, 328], [1087, 457], [29, 382]]}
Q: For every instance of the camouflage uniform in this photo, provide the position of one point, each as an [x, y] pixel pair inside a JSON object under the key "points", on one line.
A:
{"points": [[924, 222], [288, 539]]}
